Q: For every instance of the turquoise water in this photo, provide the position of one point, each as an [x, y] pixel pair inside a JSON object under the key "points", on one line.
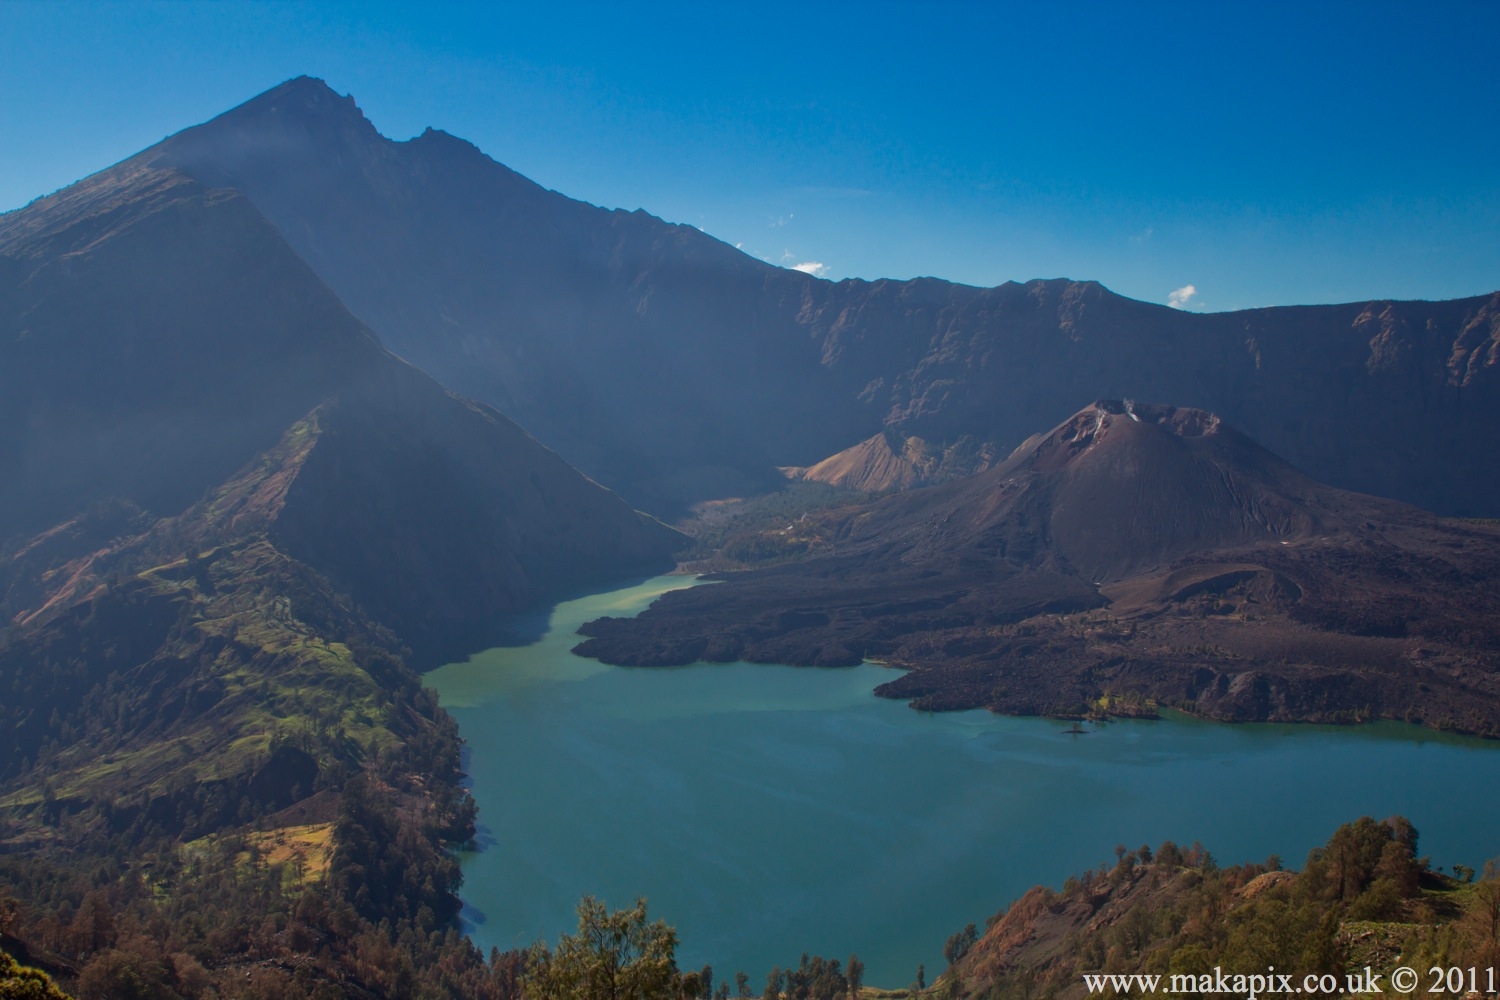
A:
{"points": [[766, 811]]}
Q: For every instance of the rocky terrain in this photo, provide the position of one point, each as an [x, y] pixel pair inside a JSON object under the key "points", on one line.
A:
{"points": [[1131, 558]]}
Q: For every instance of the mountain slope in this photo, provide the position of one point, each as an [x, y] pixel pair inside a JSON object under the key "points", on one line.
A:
{"points": [[674, 368], [1131, 557], [630, 345], [231, 516], [154, 335], [1117, 489], [1363, 903]]}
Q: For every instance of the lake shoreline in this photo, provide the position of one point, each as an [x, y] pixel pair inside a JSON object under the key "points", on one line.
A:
{"points": [[766, 810]]}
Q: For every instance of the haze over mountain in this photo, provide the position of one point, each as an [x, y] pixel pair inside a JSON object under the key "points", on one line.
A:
{"points": [[673, 368], [218, 480], [1133, 555], [161, 334]]}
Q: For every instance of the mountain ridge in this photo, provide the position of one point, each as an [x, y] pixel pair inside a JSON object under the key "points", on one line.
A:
{"points": [[674, 369]]}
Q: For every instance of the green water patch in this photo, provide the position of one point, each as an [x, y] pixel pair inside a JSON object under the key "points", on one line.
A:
{"points": [[768, 810]]}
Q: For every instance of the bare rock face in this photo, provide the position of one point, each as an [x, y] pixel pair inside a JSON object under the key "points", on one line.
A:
{"points": [[673, 368], [1117, 489]]}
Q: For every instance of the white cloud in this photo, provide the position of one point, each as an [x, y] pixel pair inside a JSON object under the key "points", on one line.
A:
{"points": [[1178, 299], [812, 267]]}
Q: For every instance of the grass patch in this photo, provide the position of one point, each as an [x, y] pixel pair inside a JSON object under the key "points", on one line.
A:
{"points": [[306, 849]]}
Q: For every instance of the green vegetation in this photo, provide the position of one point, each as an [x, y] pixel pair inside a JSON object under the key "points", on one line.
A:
{"points": [[185, 677], [20, 982], [614, 956], [815, 978], [218, 778], [225, 917]]}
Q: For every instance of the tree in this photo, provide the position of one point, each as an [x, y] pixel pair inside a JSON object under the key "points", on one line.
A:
{"points": [[854, 972], [959, 944], [614, 956], [20, 982], [1482, 923], [94, 925], [1352, 854], [123, 975]]}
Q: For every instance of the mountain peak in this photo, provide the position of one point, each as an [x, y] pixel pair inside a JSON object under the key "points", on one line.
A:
{"points": [[304, 99], [311, 89], [1113, 423], [303, 83], [436, 138], [1184, 421]]}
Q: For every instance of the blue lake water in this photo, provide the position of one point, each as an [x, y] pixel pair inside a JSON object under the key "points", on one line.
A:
{"points": [[766, 811]]}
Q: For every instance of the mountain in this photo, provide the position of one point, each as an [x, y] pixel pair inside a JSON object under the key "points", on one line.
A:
{"points": [[1133, 556], [632, 346], [673, 368], [142, 355], [1117, 489], [230, 515], [234, 525]]}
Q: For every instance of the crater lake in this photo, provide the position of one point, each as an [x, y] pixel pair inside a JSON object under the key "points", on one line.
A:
{"points": [[765, 811]]}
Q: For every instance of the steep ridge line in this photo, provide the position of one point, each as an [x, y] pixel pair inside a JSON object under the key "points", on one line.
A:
{"points": [[673, 368]]}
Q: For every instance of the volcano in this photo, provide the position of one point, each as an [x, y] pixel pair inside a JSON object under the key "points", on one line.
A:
{"points": [[1134, 556], [1115, 490]]}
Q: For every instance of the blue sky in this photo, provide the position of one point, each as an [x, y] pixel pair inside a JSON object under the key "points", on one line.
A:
{"points": [[1262, 154]]}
